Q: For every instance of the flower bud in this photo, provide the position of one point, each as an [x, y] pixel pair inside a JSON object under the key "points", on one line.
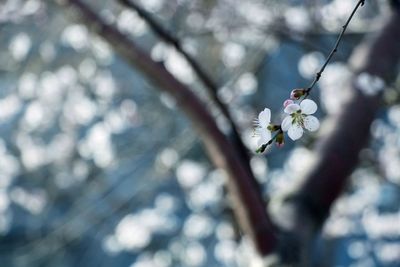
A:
{"points": [[280, 140], [287, 102], [297, 93], [273, 127]]}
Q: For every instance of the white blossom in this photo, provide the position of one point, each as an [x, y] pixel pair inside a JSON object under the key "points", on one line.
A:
{"points": [[262, 127], [300, 118]]}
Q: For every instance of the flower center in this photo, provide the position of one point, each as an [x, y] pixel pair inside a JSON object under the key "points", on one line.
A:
{"points": [[298, 118]]}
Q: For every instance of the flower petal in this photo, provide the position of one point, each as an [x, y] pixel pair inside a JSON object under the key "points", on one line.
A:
{"points": [[308, 106], [311, 123], [295, 132], [264, 118], [265, 137], [291, 108], [286, 123]]}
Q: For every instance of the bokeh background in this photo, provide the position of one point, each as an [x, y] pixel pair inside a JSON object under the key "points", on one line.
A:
{"points": [[97, 168]]}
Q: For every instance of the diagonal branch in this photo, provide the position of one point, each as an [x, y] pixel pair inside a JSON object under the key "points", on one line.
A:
{"points": [[210, 85], [335, 47], [248, 204]]}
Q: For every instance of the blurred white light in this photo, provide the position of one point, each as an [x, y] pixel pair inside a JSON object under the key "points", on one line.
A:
{"points": [[9, 107], [198, 226], [369, 84], [310, 63], [4, 201], [50, 91], [152, 5], [5, 222], [225, 251], [190, 173], [224, 231], [104, 85], [337, 227], [33, 201], [111, 245], [394, 115], [195, 254], [79, 109], [297, 18], [168, 157], [233, 54], [114, 121], [47, 51], [259, 167], [67, 75], [130, 22], [27, 84], [102, 51], [33, 156], [205, 194], [165, 203], [98, 144], [162, 258], [75, 36], [178, 66], [357, 249], [334, 87], [389, 252], [247, 84], [381, 225], [195, 21], [87, 68], [34, 115], [20, 46], [131, 234]]}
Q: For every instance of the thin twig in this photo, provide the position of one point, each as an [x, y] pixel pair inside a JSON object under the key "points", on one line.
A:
{"points": [[334, 50], [338, 152], [210, 85]]}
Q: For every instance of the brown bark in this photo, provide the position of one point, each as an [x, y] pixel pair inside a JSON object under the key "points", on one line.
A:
{"points": [[248, 204]]}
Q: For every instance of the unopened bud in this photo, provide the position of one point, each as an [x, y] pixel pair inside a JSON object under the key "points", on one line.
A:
{"points": [[287, 102], [273, 127], [297, 93], [280, 140]]}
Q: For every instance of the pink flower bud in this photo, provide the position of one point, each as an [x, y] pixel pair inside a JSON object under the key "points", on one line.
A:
{"points": [[297, 93], [287, 102], [280, 145], [280, 140]]}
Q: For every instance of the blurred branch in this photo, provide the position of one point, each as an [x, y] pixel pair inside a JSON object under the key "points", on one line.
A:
{"points": [[210, 85], [338, 152], [248, 204]]}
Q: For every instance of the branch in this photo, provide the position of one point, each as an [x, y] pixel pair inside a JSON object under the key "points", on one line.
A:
{"points": [[334, 49], [338, 152], [248, 205], [210, 85]]}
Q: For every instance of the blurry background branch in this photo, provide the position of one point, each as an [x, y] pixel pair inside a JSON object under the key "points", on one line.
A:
{"points": [[210, 85], [248, 204]]}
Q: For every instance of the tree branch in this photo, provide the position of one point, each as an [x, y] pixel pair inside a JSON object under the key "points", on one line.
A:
{"points": [[248, 205], [335, 47], [338, 152], [210, 85]]}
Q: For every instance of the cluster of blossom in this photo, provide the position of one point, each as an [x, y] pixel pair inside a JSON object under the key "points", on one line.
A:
{"points": [[299, 112]]}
